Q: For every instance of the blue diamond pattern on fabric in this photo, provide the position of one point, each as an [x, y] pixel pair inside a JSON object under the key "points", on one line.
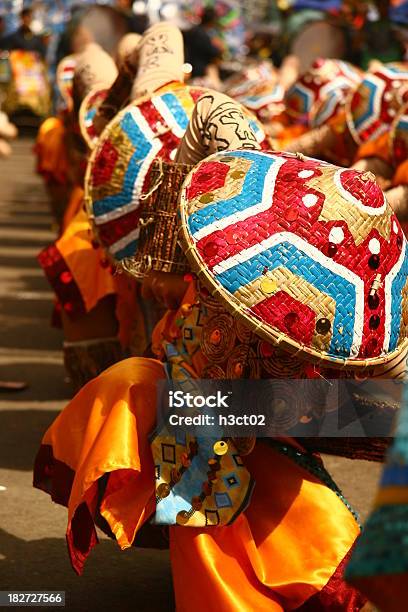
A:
{"points": [[231, 480], [223, 500]]}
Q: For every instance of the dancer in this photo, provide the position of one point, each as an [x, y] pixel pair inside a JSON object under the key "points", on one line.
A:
{"points": [[282, 544]]}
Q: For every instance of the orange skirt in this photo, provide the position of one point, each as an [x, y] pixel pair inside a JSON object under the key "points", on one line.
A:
{"points": [[286, 551], [379, 147], [50, 148], [401, 175], [81, 275], [75, 204]]}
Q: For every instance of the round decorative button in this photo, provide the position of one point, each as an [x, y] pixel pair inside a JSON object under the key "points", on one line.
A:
{"points": [[266, 349], [237, 174], [215, 337], [268, 286], [206, 198], [163, 490], [330, 249], [373, 301], [66, 277], [211, 249], [399, 242], [374, 262], [182, 517], [186, 309], [291, 214], [239, 369], [291, 319], [374, 322], [323, 326], [220, 448]]}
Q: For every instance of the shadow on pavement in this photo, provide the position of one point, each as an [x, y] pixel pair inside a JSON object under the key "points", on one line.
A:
{"points": [[133, 580], [28, 261], [17, 316], [46, 381], [20, 437]]}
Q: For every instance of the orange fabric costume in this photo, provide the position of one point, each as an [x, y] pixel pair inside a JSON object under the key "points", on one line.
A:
{"points": [[75, 203], [401, 175], [51, 151], [286, 551], [95, 279], [282, 551], [379, 147], [80, 287]]}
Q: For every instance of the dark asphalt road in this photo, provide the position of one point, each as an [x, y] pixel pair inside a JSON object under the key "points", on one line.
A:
{"points": [[32, 543]]}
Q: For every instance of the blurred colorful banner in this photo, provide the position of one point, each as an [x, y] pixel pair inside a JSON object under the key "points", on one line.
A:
{"points": [[399, 11], [229, 17], [317, 5]]}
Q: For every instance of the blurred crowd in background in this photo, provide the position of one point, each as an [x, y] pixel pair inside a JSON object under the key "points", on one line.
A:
{"points": [[218, 34]]}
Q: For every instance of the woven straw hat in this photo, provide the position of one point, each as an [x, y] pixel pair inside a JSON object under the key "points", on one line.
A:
{"points": [[308, 255], [118, 172], [333, 99], [377, 100], [127, 46], [87, 111], [160, 57], [65, 78], [399, 137], [266, 102], [250, 77], [325, 77], [119, 167], [94, 68]]}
